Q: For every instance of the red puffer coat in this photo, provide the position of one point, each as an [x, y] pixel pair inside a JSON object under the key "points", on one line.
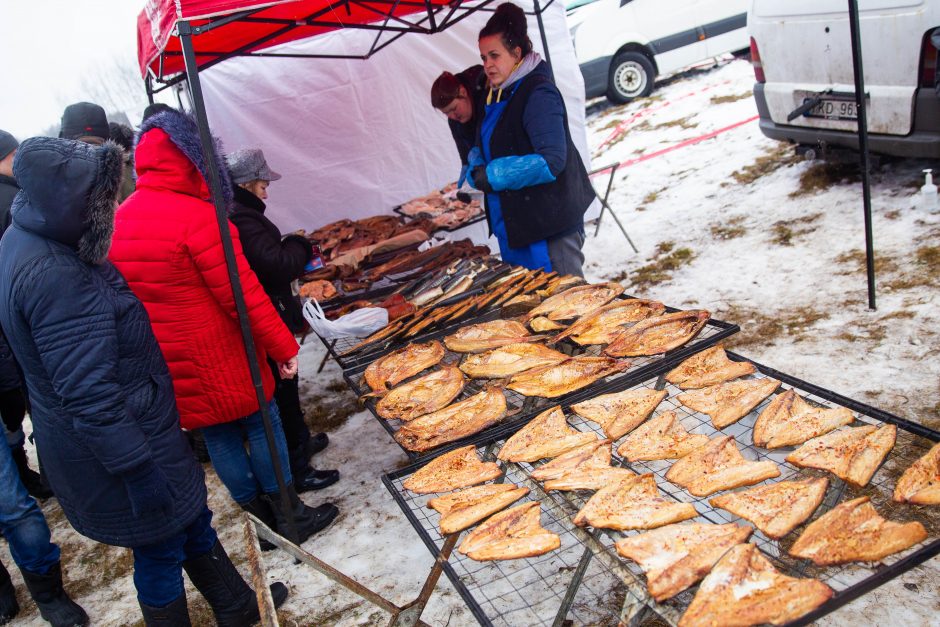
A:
{"points": [[167, 245]]}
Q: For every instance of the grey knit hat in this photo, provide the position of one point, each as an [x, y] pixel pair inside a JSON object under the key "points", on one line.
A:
{"points": [[248, 165], [8, 144]]}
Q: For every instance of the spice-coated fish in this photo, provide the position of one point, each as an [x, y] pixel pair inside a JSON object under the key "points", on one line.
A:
{"points": [[485, 336], [511, 534], [576, 301], [565, 377], [718, 465], [632, 503], [459, 468], [778, 508], [621, 412], [458, 420], [663, 437], [727, 403], [604, 324], [658, 334], [920, 483], [511, 359], [789, 420], [387, 372], [465, 508], [710, 367], [423, 395], [593, 454], [548, 435], [852, 454]]}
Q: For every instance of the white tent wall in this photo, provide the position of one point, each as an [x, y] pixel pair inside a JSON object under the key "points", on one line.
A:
{"points": [[355, 138]]}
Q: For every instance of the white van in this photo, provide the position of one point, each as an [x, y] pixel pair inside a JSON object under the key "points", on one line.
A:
{"points": [[805, 91], [623, 45]]}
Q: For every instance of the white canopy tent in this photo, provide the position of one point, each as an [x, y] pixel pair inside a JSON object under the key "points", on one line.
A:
{"points": [[354, 138]]}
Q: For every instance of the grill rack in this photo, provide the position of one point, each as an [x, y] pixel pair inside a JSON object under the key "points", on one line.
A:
{"points": [[522, 409], [480, 584]]}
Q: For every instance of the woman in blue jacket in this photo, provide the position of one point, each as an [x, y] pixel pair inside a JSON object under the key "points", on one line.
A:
{"points": [[537, 188], [102, 403]]}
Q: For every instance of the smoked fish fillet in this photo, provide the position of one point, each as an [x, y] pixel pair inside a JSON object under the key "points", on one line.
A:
{"points": [[676, 556], [422, 396], [543, 324], [548, 435], [727, 403], [853, 454], [465, 508], [565, 377], [621, 412], [710, 367], [484, 336], [605, 323], [595, 454], [744, 589], [854, 532], [459, 468], [658, 335], [778, 508], [789, 420], [511, 359], [511, 534], [632, 503], [576, 301], [663, 437], [588, 478], [458, 420], [717, 466], [387, 372], [920, 483]]}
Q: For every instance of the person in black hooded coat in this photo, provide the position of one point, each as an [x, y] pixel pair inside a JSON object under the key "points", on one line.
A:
{"points": [[277, 262], [102, 404]]}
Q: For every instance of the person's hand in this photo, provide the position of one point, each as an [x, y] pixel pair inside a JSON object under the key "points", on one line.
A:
{"points": [[480, 180], [288, 369]]}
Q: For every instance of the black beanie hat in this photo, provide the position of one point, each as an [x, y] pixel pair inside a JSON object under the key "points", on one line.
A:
{"points": [[84, 119], [155, 108], [8, 144]]}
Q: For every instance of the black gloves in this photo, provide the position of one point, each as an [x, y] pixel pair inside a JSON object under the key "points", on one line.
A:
{"points": [[479, 179]]}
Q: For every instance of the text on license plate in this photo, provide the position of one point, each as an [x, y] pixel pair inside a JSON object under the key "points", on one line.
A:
{"points": [[833, 109]]}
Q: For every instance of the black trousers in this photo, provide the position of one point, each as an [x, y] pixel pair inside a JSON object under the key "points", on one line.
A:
{"points": [[13, 409], [287, 397]]}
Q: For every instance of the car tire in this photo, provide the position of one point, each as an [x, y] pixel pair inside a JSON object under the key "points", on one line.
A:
{"points": [[631, 76]]}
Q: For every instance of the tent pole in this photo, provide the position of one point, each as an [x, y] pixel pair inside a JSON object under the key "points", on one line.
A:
{"points": [[548, 56], [215, 185], [862, 147], [149, 87]]}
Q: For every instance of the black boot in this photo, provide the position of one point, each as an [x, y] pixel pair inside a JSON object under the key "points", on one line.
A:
{"points": [[9, 608], [316, 443], [232, 601], [176, 614], [28, 476], [314, 479], [54, 603], [260, 509], [309, 520]]}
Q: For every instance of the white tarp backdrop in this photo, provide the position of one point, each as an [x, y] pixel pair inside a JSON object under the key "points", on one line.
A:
{"points": [[355, 138]]}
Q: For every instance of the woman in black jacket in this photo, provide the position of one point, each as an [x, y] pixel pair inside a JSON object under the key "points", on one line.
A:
{"points": [[460, 97], [277, 262]]}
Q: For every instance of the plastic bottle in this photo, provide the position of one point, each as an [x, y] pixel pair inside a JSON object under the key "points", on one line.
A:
{"points": [[928, 192]]}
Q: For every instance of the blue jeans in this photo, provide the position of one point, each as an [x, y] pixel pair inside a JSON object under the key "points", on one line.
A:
{"points": [[22, 522], [158, 567], [244, 472]]}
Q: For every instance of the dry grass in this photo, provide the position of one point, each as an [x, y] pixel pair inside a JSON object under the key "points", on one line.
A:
{"points": [[924, 271], [759, 329], [665, 261], [730, 229], [731, 98], [785, 231], [652, 196], [782, 155], [856, 261], [821, 176], [684, 123]]}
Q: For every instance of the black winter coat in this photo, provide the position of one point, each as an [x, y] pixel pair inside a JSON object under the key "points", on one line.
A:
{"points": [[9, 374], [275, 261], [103, 408]]}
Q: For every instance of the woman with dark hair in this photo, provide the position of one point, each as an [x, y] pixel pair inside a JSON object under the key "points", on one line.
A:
{"points": [[537, 188], [460, 98]]}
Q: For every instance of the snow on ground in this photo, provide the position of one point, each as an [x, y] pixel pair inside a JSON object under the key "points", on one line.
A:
{"points": [[733, 224]]}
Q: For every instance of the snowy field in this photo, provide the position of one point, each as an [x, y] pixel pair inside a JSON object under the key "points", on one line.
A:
{"points": [[733, 224]]}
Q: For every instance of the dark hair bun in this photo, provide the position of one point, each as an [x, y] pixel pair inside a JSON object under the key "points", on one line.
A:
{"points": [[509, 22]]}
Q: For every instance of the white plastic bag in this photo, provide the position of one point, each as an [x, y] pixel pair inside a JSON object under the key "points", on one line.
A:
{"points": [[359, 323]]}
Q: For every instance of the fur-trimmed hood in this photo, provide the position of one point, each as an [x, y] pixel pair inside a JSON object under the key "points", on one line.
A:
{"points": [[68, 192], [168, 155]]}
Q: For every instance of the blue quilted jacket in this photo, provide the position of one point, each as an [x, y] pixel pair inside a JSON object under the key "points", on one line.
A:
{"points": [[102, 399]]}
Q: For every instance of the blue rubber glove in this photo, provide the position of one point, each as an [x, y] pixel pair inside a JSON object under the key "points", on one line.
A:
{"points": [[516, 172], [463, 176], [147, 489], [474, 158]]}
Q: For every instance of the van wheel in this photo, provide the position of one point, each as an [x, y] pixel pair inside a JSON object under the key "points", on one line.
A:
{"points": [[631, 76]]}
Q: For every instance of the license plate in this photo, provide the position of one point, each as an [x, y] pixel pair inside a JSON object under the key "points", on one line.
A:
{"points": [[831, 109]]}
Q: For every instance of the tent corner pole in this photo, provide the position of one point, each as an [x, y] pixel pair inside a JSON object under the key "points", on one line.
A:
{"points": [[857, 66], [538, 18], [215, 186], [148, 85]]}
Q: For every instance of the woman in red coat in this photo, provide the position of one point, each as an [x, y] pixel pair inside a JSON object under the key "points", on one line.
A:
{"points": [[168, 247]]}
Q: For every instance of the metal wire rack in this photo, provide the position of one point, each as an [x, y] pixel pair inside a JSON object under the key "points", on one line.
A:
{"points": [[615, 591], [521, 409]]}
